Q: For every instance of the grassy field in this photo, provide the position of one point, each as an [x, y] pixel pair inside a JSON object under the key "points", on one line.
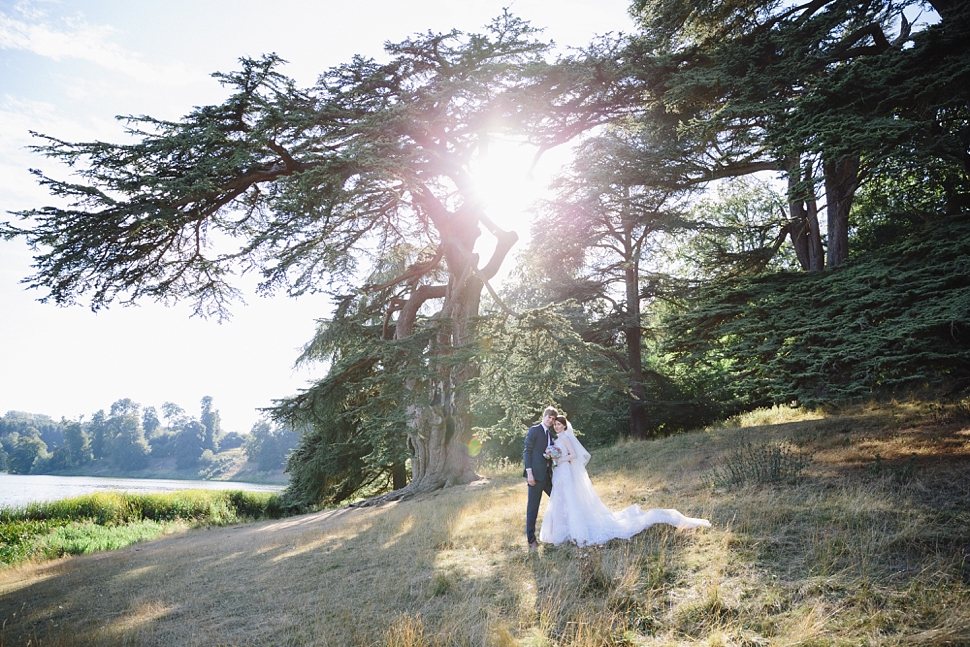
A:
{"points": [[868, 546]]}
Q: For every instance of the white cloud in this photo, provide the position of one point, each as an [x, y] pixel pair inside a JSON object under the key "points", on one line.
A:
{"points": [[73, 38], [18, 117]]}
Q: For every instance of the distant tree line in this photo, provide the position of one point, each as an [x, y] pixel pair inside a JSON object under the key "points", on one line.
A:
{"points": [[129, 437]]}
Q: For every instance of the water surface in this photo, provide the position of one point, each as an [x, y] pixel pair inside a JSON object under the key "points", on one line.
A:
{"points": [[20, 489]]}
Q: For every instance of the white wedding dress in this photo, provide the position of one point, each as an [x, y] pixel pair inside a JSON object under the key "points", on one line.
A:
{"points": [[576, 514]]}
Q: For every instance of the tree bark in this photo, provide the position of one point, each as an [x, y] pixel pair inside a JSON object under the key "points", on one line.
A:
{"points": [[441, 429], [816, 255], [634, 337], [841, 182], [798, 231], [803, 208]]}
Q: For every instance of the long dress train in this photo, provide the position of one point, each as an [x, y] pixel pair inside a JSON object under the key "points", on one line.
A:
{"points": [[576, 513]]}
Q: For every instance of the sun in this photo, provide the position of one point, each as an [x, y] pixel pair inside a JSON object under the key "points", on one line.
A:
{"points": [[508, 185], [510, 182]]}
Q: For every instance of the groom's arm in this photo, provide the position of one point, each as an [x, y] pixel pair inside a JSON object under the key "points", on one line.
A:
{"points": [[530, 441]]}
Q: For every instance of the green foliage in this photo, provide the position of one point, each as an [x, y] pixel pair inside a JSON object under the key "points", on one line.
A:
{"points": [[77, 444], [898, 318], [209, 418], [738, 229], [108, 508], [40, 426], [150, 421], [127, 446], [20, 539], [228, 441], [529, 363], [269, 445], [823, 91], [97, 428], [354, 421], [903, 195], [189, 444], [758, 464], [597, 242], [26, 451]]}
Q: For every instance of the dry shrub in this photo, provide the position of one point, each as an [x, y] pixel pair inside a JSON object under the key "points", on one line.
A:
{"points": [[404, 631]]}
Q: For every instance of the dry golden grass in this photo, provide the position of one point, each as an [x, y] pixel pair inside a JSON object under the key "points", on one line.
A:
{"points": [[846, 556]]}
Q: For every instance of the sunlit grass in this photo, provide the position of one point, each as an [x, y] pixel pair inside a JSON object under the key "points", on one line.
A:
{"points": [[843, 556], [775, 415]]}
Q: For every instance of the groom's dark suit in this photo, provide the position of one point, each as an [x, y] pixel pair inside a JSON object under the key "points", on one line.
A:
{"points": [[536, 442]]}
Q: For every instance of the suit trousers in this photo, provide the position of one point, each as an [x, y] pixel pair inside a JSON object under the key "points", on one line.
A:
{"points": [[532, 509]]}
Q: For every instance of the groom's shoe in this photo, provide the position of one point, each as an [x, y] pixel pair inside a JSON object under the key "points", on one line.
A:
{"points": [[533, 544]]}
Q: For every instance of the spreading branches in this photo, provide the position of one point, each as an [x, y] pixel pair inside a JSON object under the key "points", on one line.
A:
{"points": [[301, 180]]}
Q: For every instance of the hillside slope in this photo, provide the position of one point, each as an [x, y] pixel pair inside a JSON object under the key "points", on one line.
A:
{"points": [[859, 550]]}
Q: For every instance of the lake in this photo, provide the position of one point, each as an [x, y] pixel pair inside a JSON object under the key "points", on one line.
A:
{"points": [[21, 489]]}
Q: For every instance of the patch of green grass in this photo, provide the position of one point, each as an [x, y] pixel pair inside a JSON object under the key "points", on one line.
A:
{"points": [[776, 415], [89, 537], [109, 520]]}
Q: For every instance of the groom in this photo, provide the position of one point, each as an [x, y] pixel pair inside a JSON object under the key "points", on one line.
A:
{"points": [[538, 469]]}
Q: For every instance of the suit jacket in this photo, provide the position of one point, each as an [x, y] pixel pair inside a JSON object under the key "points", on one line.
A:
{"points": [[532, 453]]}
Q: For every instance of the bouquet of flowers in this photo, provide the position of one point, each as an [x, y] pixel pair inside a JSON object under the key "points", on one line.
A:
{"points": [[553, 453]]}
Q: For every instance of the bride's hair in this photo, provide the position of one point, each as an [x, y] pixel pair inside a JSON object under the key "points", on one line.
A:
{"points": [[563, 420]]}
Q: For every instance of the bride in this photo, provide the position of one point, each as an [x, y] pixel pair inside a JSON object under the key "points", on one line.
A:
{"points": [[575, 512]]}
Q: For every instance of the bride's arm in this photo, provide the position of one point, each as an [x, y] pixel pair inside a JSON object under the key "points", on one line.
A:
{"points": [[570, 452]]}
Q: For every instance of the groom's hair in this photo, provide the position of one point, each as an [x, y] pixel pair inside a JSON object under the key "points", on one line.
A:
{"points": [[550, 411]]}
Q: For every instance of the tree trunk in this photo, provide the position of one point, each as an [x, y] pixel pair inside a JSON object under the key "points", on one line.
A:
{"points": [[841, 182], [634, 336], [803, 208], [399, 476], [441, 429], [816, 255], [798, 230]]}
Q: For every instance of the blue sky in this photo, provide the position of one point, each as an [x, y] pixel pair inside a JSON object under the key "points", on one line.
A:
{"points": [[67, 68]]}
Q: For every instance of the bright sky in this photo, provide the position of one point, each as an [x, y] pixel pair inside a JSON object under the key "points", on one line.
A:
{"points": [[67, 67]]}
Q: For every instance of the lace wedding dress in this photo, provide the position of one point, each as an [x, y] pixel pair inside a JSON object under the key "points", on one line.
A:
{"points": [[575, 512]]}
